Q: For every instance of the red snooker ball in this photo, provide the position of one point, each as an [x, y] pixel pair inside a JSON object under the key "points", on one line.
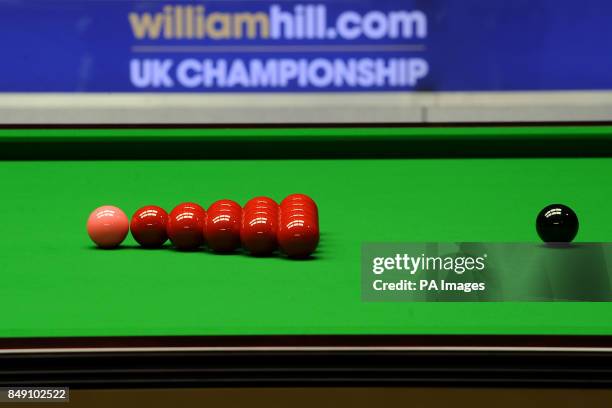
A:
{"points": [[222, 230], [259, 226], [301, 201], [298, 229], [107, 226], [148, 226], [186, 226]]}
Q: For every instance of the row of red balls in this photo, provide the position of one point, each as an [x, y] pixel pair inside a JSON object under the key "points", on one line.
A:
{"points": [[261, 227]]}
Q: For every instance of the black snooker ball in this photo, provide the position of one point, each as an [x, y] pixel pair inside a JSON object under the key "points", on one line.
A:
{"points": [[557, 223]]}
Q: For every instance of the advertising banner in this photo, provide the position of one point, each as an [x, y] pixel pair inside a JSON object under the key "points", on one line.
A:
{"points": [[299, 46]]}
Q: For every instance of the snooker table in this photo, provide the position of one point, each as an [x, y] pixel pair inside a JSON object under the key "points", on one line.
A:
{"points": [[73, 314]]}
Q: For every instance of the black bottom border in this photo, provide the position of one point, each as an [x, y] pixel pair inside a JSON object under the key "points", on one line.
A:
{"points": [[309, 361], [369, 341], [307, 369]]}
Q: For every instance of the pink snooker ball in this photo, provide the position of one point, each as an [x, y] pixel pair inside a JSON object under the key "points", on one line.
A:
{"points": [[107, 226]]}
